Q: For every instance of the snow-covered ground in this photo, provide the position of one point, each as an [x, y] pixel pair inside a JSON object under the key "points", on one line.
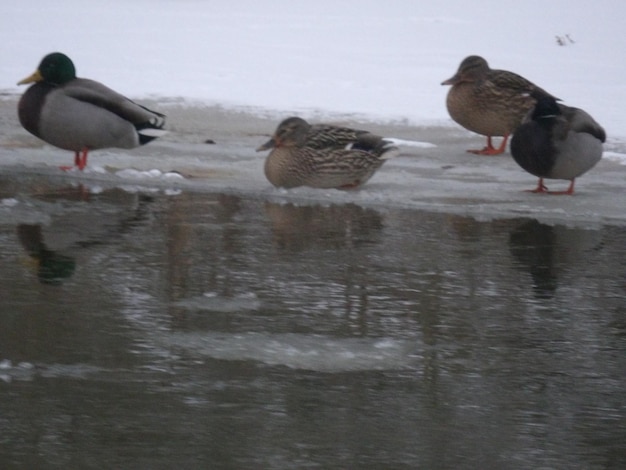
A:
{"points": [[385, 60], [229, 71]]}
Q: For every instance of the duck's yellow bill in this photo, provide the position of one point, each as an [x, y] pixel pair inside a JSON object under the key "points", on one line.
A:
{"points": [[36, 77]]}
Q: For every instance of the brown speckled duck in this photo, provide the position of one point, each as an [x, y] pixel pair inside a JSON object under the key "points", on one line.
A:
{"points": [[489, 102], [78, 114], [557, 141], [323, 156]]}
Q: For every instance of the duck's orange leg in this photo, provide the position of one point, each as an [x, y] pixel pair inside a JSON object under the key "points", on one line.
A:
{"points": [[541, 188], [80, 160], [349, 186], [490, 149], [569, 191], [76, 162]]}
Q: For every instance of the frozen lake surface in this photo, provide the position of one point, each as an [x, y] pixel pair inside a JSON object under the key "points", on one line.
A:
{"points": [[207, 329], [168, 307], [433, 172]]}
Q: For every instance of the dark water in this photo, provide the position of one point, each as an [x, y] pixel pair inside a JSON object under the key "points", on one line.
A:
{"points": [[140, 330]]}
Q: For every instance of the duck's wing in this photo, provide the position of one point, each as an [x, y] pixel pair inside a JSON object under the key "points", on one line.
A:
{"points": [[324, 136], [97, 94], [580, 121], [514, 83], [339, 167]]}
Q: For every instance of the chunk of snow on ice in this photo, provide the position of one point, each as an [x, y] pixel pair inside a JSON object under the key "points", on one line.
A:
{"points": [[138, 189], [130, 173], [97, 169], [411, 143], [10, 202], [173, 175], [615, 157]]}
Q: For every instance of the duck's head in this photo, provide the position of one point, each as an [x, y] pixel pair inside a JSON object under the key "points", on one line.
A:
{"points": [[545, 107], [471, 68], [55, 68], [291, 132]]}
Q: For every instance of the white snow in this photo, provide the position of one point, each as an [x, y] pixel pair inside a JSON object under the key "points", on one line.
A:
{"points": [[381, 60], [615, 156], [130, 173], [9, 202]]}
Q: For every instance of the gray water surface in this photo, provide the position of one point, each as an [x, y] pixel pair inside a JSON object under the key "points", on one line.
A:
{"points": [[143, 330]]}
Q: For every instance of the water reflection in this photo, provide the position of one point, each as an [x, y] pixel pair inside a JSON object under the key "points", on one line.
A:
{"points": [[202, 242], [55, 247], [51, 267], [228, 332], [297, 228], [533, 246], [545, 251]]}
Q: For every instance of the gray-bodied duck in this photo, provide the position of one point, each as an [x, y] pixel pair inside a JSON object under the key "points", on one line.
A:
{"points": [[79, 114], [558, 142], [323, 156], [488, 101]]}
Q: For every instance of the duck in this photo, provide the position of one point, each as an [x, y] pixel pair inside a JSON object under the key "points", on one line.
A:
{"points": [[323, 156], [79, 114], [557, 141], [489, 102]]}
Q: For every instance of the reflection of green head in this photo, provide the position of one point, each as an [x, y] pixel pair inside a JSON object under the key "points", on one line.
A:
{"points": [[53, 267]]}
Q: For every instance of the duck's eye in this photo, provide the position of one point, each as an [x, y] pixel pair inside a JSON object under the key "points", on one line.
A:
{"points": [[286, 131]]}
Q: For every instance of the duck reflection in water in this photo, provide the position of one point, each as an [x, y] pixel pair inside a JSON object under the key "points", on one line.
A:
{"points": [[532, 244], [547, 252], [296, 228], [88, 221], [51, 267]]}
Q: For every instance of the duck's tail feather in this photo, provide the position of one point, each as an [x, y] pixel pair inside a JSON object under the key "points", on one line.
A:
{"points": [[151, 129], [148, 134], [388, 149]]}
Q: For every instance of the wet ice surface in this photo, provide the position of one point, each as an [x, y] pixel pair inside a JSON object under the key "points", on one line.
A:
{"points": [[169, 308], [434, 172], [221, 330]]}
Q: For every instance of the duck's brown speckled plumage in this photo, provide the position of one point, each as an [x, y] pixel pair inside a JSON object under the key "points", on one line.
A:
{"points": [[488, 101], [323, 156], [558, 142]]}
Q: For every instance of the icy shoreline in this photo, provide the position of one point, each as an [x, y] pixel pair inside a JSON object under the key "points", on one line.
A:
{"points": [[443, 178]]}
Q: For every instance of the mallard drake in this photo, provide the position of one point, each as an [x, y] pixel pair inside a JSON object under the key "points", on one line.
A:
{"points": [[489, 102], [558, 142], [81, 115], [323, 156]]}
